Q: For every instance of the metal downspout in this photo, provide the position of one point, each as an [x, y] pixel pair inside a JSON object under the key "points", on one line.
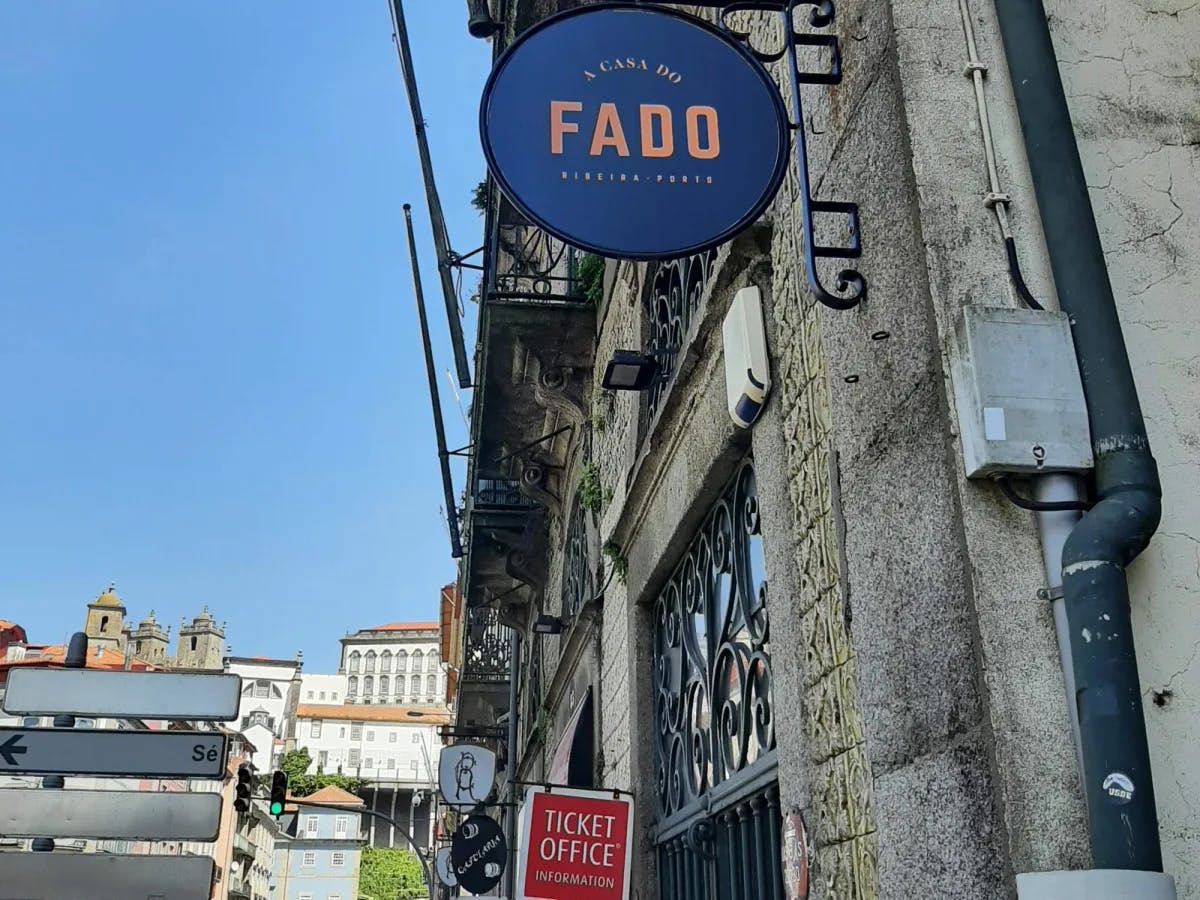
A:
{"points": [[1122, 817], [510, 822]]}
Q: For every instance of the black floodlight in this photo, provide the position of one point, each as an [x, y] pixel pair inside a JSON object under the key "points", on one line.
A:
{"points": [[630, 371], [548, 625]]}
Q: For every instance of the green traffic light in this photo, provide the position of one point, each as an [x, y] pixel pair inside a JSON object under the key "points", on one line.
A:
{"points": [[276, 809]]}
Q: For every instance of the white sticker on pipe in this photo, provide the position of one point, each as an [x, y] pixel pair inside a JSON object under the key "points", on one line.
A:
{"points": [[993, 424]]}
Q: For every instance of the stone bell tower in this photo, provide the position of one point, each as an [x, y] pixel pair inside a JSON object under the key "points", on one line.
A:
{"points": [[105, 624], [199, 644]]}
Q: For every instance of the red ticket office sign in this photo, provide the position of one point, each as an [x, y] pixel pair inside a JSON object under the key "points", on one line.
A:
{"points": [[575, 845]]}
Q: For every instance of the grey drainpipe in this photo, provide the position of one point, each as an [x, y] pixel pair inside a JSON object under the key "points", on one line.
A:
{"points": [[1108, 696]]}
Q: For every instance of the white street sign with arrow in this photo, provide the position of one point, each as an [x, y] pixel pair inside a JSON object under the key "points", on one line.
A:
{"points": [[69, 751]]}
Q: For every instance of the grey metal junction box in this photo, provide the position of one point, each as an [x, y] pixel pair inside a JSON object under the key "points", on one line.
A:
{"points": [[1018, 393]]}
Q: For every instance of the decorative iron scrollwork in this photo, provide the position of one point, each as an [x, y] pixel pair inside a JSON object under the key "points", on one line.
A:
{"points": [[488, 647], [713, 698], [578, 586], [536, 265], [675, 293], [851, 287]]}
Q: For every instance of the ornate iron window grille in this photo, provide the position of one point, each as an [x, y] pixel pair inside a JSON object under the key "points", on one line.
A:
{"points": [[673, 302], [578, 582], [714, 750], [501, 493]]}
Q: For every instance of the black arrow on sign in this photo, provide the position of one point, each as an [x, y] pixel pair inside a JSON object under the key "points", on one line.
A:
{"points": [[12, 748]]}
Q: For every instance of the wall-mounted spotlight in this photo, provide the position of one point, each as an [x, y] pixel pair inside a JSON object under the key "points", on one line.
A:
{"points": [[548, 625], [479, 19], [629, 370]]}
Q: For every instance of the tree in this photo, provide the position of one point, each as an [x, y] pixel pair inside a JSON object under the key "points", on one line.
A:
{"points": [[388, 874], [295, 765]]}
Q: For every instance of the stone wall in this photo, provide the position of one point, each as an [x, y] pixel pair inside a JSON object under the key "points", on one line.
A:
{"points": [[933, 756]]}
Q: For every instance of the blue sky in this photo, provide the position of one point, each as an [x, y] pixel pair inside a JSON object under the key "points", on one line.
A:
{"points": [[213, 391]]}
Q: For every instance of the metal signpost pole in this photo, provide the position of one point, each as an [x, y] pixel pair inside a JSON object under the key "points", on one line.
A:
{"points": [[76, 658]]}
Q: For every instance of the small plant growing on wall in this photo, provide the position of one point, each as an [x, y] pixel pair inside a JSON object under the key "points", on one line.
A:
{"points": [[589, 277], [479, 196], [616, 559], [591, 493]]}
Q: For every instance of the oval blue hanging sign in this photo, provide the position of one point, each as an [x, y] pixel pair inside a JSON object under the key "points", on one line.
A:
{"points": [[634, 133]]}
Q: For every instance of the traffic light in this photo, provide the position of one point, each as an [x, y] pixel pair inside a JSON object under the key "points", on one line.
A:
{"points": [[278, 793], [245, 788]]}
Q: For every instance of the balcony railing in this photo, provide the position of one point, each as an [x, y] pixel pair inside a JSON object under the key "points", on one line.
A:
{"points": [[489, 646], [500, 493], [242, 845]]}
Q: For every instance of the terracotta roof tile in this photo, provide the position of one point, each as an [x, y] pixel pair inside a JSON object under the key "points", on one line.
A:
{"points": [[333, 794], [423, 715]]}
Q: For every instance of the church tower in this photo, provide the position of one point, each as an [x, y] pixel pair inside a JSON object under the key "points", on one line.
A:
{"points": [[200, 644], [105, 625], [150, 641]]}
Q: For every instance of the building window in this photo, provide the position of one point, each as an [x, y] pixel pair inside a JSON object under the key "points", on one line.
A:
{"points": [[371, 734], [712, 694], [370, 662], [342, 732], [85, 723], [304, 897], [431, 661], [354, 658], [334, 696], [392, 737], [355, 757], [368, 763], [402, 661], [401, 684], [353, 686], [385, 661], [310, 695], [341, 826], [31, 722], [262, 689], [391, 764], [309, 859], [383, 686], [339, 859], [418, 661], [314, 730], [431, 686], [416, 737], [322, 695], [322, 760], [414, 765], [103, 623], [356, 731], [369, 686], [311, 825], [334, 896]]}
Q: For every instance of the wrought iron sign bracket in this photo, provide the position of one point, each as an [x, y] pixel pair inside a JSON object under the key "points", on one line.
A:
{"points": [[851, 286]]}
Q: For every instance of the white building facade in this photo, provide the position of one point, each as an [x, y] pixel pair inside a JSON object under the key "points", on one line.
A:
{"points": [[398, 663], [270, 689]]}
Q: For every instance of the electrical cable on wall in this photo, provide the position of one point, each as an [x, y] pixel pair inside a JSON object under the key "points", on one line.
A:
{"points": [[995, 199]]}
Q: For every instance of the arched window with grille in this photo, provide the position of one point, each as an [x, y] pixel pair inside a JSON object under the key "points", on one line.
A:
{"points": [[418, 661], [370, 661], [352, 687], [354, 660], [401, 684], [369, 686], [714, 736], [385, 661], [431, 687], [402, 661], [383, 687]]}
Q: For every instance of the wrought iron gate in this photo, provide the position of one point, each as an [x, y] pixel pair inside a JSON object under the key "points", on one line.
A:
{"points": [[715, 768]]}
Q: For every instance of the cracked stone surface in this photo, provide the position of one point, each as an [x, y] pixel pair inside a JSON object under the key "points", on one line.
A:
{"points": [[1131, 69]]}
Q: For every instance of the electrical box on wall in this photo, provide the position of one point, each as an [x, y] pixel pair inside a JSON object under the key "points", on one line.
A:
{"points": [[747, 367], [1018, 393]]}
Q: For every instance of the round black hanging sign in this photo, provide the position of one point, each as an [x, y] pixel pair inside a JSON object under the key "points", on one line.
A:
{"points": [[478, 853]]}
